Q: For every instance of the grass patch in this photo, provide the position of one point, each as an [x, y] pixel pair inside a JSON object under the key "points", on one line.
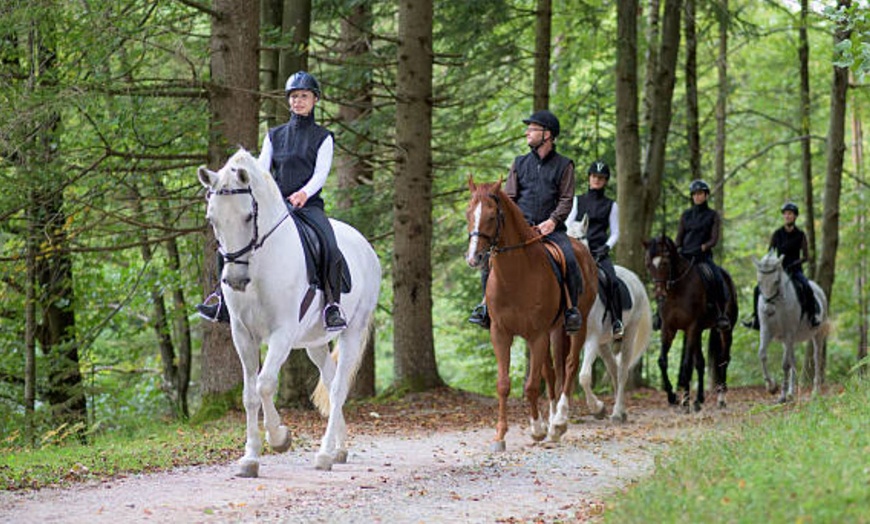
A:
{"points": [[805, 463], [156, 447]]}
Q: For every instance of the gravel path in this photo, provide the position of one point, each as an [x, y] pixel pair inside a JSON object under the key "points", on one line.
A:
{"points": [[405, 477]]}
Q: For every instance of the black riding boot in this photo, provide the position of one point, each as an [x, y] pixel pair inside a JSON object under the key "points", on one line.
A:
{"points": [[215, 312], [333, 320], [752, 321], [480, 314]]}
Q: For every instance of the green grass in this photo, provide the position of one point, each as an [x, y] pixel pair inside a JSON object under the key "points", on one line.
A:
{"points": [[801, 464], [155, 447]]}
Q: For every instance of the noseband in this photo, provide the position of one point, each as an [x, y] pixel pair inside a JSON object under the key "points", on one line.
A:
{"points": [[663, 285], [771, 299], [496, 238], [256, 242]]}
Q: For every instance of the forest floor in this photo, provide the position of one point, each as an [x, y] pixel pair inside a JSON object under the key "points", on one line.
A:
{"points": [[425, 458]]}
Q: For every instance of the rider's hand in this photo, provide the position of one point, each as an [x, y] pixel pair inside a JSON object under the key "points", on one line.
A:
{"points": [[601, 252], [298, 199], [547, 226]]}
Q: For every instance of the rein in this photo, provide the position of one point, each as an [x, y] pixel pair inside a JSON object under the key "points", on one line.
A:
{"points": [[494, 240], [256, 242], [670, 282]]}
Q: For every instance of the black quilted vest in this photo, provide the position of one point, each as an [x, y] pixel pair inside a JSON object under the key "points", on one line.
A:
{"points": [[698, 225], [597, 207], [538, 181], [294, 153]]}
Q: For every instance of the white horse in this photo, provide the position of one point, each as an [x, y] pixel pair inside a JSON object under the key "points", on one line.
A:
{"points": [[263, 282], [619, 356], [779, 314]]}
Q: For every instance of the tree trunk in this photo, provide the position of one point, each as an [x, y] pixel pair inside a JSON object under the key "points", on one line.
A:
{"points": [[543, 30], [806, 140], [692, 131], [274, 108], [354, 163], [721, 108], [652, 61], [836, 148], [861, 229], [414, 348], [299, 375], [628, 172], [233, 104]]}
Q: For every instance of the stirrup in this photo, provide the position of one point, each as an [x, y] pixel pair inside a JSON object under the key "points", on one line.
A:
{"points": [[337, 324], [480, 316], [618, 330], [213, 312]]}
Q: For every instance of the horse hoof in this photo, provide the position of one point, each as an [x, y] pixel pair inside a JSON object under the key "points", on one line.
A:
{"points": [[560, 429], [282, 440], [248, 468], [340, 457], [554, 436], [672, 398], [599, 415], [722, 404], [323, 462], [619, 418], [497, 446], [538, 437], [697, 406]]}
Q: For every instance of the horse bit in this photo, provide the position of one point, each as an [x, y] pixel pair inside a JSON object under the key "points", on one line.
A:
{"points": [[256, 242]]}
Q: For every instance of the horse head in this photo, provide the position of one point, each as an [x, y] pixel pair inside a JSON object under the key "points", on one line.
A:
{"points": [[659, 259], [769, 273], [484, 219], [235, 195], [579, 229]]}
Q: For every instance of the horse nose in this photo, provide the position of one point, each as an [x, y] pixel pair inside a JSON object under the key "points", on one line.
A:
{"points": [[474, 259], [237, 283]]}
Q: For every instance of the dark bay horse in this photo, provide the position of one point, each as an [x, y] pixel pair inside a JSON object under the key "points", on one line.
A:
{"points": [[523, 295], [682, 298]]}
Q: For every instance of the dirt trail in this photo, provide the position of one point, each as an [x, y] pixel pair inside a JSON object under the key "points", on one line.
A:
{"points": [[401, 474]]}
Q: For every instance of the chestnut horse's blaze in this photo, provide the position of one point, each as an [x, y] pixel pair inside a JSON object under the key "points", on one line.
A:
{"points": [[523, 296]]}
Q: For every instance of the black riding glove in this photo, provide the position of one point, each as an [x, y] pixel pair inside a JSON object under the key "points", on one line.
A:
{"points": [[601, 252]]}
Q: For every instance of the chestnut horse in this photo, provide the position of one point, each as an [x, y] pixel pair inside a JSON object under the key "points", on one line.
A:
{"points": [[682, 299], [524, 298]]}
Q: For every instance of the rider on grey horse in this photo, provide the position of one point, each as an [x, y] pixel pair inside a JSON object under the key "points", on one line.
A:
{"points": [[791, 243], [299, 156], [603, 215]]}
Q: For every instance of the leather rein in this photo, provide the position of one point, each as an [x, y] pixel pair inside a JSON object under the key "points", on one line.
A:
{"points": [[256, 241]]}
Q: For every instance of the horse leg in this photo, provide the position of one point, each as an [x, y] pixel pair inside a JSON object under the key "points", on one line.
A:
{"points": [[501, 344], [720, 355], [549, 376], [817, 358], [763, 343], [249, 354], [333, 448], [571, 364], [700, 364], [684, 378], [788, 371], [667, 340], [277, 434], [590, 352], [538, 349]]}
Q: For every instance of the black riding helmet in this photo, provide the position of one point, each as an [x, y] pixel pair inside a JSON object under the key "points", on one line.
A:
{"points": [[698, 185], [302, 80], [545, 119], [790, 206], [599, 168]]}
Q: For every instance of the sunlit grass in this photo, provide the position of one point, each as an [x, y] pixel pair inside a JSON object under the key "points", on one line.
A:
{"points": [[804, 463]]}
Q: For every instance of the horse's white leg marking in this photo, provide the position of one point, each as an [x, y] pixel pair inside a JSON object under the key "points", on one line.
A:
{"points": [[267, 384], [619, 414], [332, 446], [472, 242], [590, 353], [249, 355]]}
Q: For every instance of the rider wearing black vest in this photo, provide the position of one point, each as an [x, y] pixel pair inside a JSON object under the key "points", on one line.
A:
{"points": [[299, 156], [791, 243], [542, 185], [601, 235], [697, 235]]}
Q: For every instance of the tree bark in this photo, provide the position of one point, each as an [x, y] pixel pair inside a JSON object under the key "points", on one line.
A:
{"points": [[861, 229], [543, 35], [721, 108], [233, 120], [354, 162], [836, 148], [414, 348], [806, 141], [693, 134], [273, 106], [628, 172]]}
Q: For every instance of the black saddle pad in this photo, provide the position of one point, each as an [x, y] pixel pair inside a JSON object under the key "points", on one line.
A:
{"points": [[311, 246], [624, 294]]}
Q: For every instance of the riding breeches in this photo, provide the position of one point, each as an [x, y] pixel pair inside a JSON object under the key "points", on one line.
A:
{"points": [[330, 261], [614, 300]]}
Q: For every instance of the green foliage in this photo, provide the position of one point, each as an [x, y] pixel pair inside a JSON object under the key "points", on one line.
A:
{"points": [[801, 463]]}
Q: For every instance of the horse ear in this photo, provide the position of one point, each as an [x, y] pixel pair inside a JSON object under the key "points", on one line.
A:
{"points": [[754, 260], [207, 177], [471, 185], [497, 187], [244, 176]]}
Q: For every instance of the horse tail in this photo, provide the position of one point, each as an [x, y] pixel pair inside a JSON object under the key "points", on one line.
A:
{"points": [[320, 395], [639, 327]]}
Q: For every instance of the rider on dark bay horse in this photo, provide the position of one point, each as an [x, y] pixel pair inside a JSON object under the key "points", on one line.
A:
{"points": [[697, 235], [602, 235], [791, 243], [541, 183]]}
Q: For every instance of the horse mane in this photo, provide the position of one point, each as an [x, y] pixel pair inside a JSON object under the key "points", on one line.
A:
{"points": [[260, 179], [511, 210]]}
